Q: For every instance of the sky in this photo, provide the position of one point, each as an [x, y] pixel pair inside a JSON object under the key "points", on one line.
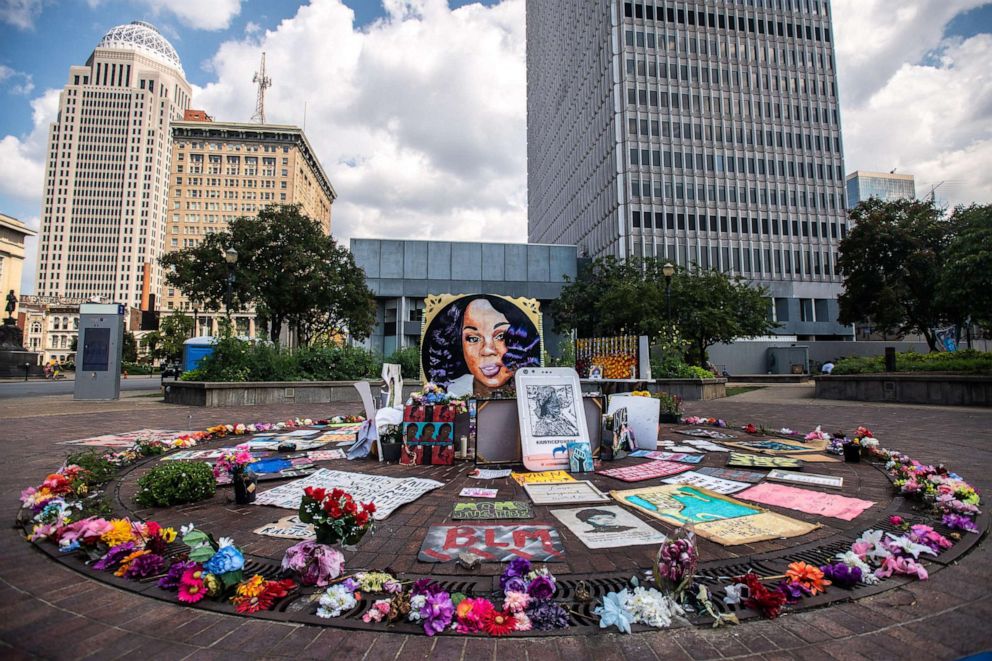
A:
{"points": [[417, 108]]}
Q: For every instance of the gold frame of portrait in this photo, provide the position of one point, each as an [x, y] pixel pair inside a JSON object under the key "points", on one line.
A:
{"points": [[434, 303]]}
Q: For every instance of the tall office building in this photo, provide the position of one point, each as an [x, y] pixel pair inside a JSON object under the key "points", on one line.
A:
{"points": [[886, 186], [103, 215], [223, 170], [702, 132]]}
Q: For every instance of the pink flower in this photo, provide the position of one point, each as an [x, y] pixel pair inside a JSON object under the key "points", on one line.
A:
{"points": [[896, 520], [378, 611], [861, 549], [516, 601], [523, 622], [316, 564]]}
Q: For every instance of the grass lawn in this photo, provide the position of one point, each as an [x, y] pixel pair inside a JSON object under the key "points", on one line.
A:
{"points": [[740, 390]]}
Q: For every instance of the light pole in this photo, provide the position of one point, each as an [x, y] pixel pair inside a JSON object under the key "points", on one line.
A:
{"points": [[231, 257], [669, 271]]}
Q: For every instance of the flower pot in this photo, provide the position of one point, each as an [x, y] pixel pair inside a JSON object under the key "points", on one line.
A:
{"points": [[244, 486], [391, 452], [852, 453]]}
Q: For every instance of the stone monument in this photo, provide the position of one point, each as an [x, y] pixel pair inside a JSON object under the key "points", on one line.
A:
{"points": [[13, 356]]}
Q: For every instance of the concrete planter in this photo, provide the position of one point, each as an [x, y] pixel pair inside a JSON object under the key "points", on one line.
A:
{"points": [[908, 388], [208, 394], [691, 389]]}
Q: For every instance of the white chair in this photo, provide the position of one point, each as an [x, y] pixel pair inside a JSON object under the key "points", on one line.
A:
{"points": [[365, 392]]}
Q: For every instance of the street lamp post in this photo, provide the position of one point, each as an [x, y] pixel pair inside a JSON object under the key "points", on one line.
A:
{"points": [[669, 271], [231, 257]]}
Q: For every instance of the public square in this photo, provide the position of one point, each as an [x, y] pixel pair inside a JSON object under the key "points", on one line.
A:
{"points": [[48, 608]]}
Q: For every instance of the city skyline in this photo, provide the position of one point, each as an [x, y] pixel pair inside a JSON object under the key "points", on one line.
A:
{"points": [[451, 162]]}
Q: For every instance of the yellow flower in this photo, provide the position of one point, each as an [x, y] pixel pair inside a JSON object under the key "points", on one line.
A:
{"points": [[212, 584], [126, 562], [253, 587], [120, 532], [167, 534]]}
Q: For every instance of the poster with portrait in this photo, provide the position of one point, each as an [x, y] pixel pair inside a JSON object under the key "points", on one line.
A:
{"points": [[607, 527], [549, 404], [428, 444], [474, 344]]}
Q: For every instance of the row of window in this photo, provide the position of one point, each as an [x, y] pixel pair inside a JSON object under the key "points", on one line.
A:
{"points": [[754, 261], [718, 163], [730, 22], [679, 190], [757, 227]]}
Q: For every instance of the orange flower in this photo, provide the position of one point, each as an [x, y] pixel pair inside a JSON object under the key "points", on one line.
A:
{"points": [[126, 562], [808, 576]]}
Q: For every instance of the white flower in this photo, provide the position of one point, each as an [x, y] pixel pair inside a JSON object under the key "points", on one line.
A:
{"points": [[187, 529], [335, 601], [908, 546], [650, 607], [734, 595], [224, 541]]}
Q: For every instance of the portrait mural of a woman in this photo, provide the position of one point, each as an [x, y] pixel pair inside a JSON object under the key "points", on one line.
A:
{"points": [[475, 344]]}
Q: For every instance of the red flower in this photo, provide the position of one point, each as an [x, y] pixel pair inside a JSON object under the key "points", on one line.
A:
{"points": [[767, 602], [337, 493], [499, 623], [315, 493], [361, 519], [370, 508], [751, 429], [350, 507]]}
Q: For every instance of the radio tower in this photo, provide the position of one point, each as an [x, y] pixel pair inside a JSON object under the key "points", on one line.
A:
{"points": [[263, 82]]}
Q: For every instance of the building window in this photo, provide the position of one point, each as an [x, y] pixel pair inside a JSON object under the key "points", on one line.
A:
{"points": [[806, 309]]}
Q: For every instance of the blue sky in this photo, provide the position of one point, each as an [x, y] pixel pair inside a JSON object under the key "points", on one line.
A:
{"points": [[418, 113]]}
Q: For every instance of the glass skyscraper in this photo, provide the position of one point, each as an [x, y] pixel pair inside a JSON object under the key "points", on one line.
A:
{"points": [[886, 186], [706, 133]]}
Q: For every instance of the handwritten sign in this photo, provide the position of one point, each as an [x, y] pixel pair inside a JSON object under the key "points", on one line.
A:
{"points": [[646, 471], [288, 527], [751, 529], [809, 479], [566, 493], [501, 509], [475, 492], [810, 502], [761, 461], [714, 484], [492, 543], [542, 476], [732, 474]]}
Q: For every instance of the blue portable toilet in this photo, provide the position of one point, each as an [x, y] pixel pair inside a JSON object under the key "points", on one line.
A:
{"points": [[195, 349]]}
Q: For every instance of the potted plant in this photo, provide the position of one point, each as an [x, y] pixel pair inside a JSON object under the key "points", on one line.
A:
{"points": [[391, 442], [236, 465], [671, 407], [336, 516]]}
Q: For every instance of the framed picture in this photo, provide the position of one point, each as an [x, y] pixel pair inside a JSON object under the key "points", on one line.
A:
{"points": [[474, 344], [808, 479], [596, 372], [549, 403], [565, 493], [642, 416], [428, 443]]}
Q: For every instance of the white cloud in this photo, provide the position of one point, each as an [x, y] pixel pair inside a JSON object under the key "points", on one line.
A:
{"points": [[197, 14], [22, 159], [20, 13], [24, 87], [913, 100], [419, 118]]}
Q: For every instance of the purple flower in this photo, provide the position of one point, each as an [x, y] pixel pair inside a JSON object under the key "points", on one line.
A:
{"points": [[114, 556], [547, 615], [542, 587], [437, 613], [426, 586], [959, 522], [793, 591], [171, 579], [513, 584], [516, 568], [842, 575], [316, 564], [144, 566]]}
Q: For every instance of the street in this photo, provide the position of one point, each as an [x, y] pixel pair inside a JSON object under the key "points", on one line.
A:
{"points": [[36, 388]]}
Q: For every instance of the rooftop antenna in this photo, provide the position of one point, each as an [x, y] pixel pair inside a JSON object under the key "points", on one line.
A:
{"points": [[264, 83]]}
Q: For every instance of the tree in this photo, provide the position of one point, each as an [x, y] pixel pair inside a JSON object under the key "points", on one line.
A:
{"points": [[151, 341], [966, 282], [892, 261], [129, 349], [612, 297], [173, 330], [287, 268]]}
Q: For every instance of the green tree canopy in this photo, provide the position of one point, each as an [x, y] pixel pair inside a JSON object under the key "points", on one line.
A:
{"points": [[129, 350], [167, 342], [287, 268], [612, 297], [892, 260], [966, 282]]}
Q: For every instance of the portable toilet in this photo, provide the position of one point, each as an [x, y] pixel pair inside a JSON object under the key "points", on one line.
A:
{"points": [[196, 349]]}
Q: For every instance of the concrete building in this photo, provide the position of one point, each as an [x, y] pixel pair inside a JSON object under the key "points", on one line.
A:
{"points": [[106, 177], [223, 170], [705, 134], [51, 323], [886, 186], [12, 235], [403, 273]]}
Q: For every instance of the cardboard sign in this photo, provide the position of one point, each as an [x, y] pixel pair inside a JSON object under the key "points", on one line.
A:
{"points": [[680, 457], [325, 455], [388, 493], [542, 476], [492, 543], [732, 474], [646, 471], [567, 493], [474, 492], [549, 403], [642, 416], [500, 509], [810, 502], [762, 461], [777, 446], [706, 433], [714, 484], [752, 529], [808, 479], [288, 527], [489, 473], [607, 527], [128, 439]]}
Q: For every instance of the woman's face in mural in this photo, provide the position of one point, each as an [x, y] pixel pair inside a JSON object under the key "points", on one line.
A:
{"points": [[483, 343]]}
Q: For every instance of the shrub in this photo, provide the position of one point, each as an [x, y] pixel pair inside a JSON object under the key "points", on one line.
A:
{"points": [[672, 366], [408, 358], [96, 468], [669, 403], [175, 483], [965, 362]]}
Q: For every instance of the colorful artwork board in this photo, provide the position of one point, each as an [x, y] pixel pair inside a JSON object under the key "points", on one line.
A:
{"points": [[647, 471], [741, 459], [491, 542], [706, 446], [490, 473], [580, 457], [458, 330], [732, 474], [566, 493], [642, 416], [706, 433], [273, 443], [680, 457], [607, 527], [428, 444], [805, 500], [714, 484], [806, 479], [500, 509], [542, 476], [549, 404], [475, 492], [777, 446], [388, 493]]}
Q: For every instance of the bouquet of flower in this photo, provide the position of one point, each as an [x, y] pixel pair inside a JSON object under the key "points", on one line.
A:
{"points": [[335, 515], [315, 564], [231, 463], [434, 394], [675, 563], [258, 594]]}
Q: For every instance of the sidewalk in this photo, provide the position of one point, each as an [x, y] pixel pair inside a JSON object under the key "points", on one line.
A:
{"points": [[49, 611]]}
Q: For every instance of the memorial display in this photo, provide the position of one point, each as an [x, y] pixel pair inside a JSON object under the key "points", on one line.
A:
{"points": [[549, 403]]}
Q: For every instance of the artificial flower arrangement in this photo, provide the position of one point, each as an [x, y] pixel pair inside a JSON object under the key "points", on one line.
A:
{"points": [[335, 515], [696, 420], [314, 563], [434, 394], [675, 563], [817, 435], [343, 419], [232, 463]]}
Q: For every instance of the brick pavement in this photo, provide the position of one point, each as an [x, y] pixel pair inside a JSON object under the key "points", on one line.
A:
{"points": [[51, 612]]}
